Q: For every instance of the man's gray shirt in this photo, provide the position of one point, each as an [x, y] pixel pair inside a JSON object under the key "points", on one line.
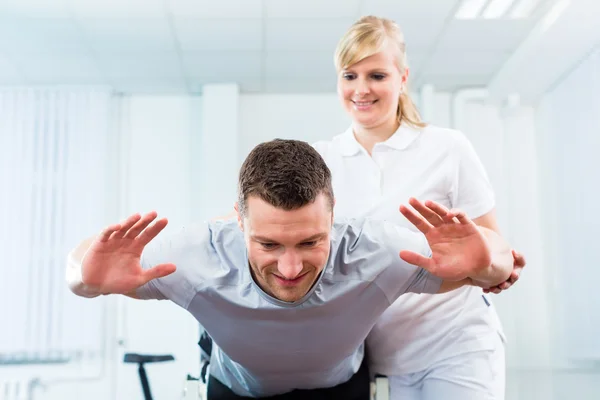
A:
{"points": [[264, 346]]}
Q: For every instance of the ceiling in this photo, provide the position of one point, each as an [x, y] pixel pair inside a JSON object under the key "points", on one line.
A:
{"points": [[176, 46]]}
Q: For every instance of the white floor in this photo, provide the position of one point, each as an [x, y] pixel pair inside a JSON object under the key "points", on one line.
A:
{"points": [[521, 385], [552, 385]]}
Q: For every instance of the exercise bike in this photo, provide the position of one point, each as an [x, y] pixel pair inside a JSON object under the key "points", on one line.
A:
{"points": [[192, 390], [141, 360]]}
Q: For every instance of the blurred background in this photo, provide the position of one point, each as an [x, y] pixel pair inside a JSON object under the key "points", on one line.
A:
{"points": [[109, 107]]}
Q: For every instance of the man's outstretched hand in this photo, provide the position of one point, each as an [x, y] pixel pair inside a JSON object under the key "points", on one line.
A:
{"points": [[459, 249], [112, 263]]}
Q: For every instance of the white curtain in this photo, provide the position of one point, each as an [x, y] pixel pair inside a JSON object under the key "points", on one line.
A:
{"points": [[568, 137], [505, 141], [54, 149]]}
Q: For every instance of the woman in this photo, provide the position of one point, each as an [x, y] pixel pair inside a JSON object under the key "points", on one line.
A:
{"points": [[431, 347]]}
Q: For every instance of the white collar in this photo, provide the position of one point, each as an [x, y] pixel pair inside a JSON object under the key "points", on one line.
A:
{"points": [[400, 140]]}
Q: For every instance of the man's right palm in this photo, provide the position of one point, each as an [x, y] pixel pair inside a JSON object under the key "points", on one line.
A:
{"points": [[112, 263]]}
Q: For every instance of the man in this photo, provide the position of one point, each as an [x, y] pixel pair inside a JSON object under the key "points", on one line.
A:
{"points": [[287, 295]]}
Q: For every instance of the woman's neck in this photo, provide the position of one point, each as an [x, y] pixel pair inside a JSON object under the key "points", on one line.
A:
{"points": [[368, 137]]}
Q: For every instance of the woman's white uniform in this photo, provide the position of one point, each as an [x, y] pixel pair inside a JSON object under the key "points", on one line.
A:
{"points": [[448, 346]]}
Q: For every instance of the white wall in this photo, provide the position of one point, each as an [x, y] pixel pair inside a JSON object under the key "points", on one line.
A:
{"points": [[569, 138], [308, 117], [157, 174]]}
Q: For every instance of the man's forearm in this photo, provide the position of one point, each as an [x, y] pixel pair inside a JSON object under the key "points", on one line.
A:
{"points": [[73, 271], [502, 261]]}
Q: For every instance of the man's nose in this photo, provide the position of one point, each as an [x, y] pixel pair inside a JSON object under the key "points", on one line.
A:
{"points": [[290, 264]]}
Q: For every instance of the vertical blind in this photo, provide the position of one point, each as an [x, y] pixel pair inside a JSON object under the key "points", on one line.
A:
{"points": [[53, 189]]}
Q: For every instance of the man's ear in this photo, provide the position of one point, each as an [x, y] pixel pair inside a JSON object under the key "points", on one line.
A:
{"points": [[332, 213], [239, 216]]}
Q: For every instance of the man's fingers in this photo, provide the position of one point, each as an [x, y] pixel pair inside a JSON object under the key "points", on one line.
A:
{"points": [[450, 218], [461, 217], [417, 220], [430, 215], [150, 232], [442, 211], [139, 226], [437, 208], [417, 259], [106, 232], [126, 225], [158, 271]]}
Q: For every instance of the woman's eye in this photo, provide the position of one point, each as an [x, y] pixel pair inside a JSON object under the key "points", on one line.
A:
{"points": [[378, 77], [348, 77]]}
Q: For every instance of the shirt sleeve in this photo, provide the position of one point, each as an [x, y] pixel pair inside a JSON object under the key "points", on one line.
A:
{"points": [[188, 250], [373, 247], [470, 189]]}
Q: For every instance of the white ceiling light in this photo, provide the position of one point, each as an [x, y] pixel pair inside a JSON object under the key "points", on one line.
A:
{"points": [[555, 12], [494, 9], [470, 9], [524, 8], [497, 8]]}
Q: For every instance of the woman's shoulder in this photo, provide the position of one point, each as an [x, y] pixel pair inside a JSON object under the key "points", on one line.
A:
{"points": [[448, 135], [444, 139], [337, 142]]}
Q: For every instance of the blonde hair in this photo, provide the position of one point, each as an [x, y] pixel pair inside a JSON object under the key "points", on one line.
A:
{"points": [[371, 35]]}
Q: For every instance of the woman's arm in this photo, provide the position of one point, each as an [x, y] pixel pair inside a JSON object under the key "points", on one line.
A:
{"points": [[489, 221]]}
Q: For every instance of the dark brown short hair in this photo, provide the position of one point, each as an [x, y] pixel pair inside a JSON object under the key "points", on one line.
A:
{"points": [[287, 174]]}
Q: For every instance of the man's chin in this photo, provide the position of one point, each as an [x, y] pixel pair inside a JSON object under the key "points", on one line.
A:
{"points": [[290, 296], [290, 291]]}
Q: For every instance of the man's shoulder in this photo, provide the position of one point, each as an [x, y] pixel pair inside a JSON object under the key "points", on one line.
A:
{"points": [[226, 233], [356, 226], [367, 235], [354, 237], [210, 244], [227, 244], [361, 250]]}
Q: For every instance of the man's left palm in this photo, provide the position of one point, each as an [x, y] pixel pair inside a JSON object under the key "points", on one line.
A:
{"points": [[458, 247]]}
